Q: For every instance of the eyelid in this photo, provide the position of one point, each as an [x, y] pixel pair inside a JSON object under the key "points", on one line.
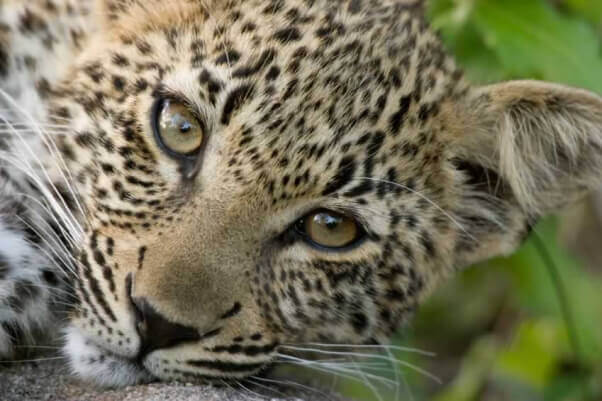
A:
{"points": [[345, 211], [163, 93]]}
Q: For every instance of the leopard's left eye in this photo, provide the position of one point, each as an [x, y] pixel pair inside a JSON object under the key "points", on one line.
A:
{"points": [[178, 132], [329, 230]]}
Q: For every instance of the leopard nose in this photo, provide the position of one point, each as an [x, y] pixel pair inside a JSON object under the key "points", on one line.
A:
{"points": [[156, 331]]}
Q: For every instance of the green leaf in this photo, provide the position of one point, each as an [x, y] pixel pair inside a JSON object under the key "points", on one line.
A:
{"points": [[535, 352], [532, 40]]}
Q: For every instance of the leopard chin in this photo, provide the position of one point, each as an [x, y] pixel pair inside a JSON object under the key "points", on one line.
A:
{"points": [[93, 364]]}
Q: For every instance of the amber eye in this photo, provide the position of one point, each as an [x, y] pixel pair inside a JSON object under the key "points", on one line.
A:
{"points": [[329, 229], [177, 130]]}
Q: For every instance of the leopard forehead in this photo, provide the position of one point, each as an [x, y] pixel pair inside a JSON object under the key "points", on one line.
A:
{"points": [[297, 80], [306, 104]]}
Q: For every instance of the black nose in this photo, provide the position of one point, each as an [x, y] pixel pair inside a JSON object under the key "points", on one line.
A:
{"points": [[156, 332]]}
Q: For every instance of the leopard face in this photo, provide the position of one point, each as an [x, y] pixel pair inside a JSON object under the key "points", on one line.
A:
{"points": [[260, 173]]}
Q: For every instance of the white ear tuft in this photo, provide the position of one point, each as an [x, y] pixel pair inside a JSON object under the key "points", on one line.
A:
{"points": [[544, 140]]}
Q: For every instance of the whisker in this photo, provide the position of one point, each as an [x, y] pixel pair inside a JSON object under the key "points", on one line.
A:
{"points": [[426, 198], [391, 357], [37, 347], [57, 246], [250, 391], [58, 290], [65, 216], [343, 372], [54, 151], [268, 388], [33, 360], [362, 355], [66, 234], [385, 347], [370, 385], [291, 383]]}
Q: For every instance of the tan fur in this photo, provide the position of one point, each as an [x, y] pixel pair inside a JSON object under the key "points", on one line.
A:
{"points": [[151, 14]]}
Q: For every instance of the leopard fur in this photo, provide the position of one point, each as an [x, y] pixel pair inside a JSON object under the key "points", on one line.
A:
{"points": [[348, 105]]}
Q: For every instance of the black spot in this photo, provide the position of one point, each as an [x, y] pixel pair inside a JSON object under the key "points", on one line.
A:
{"points": [[120, 60], [141, 85], [427, 243], [289, 34], [272, 73], [141, 253], [30, 22], [427, 111], [397, 119], [99, 258], [229, 57], [50, 277], [359, 322], [119, 83], [483, 179], [235, 100], [4, 61], [107, 168], [264, 60], [359, 190], [235, 310], [4, 266], [343, 176]]}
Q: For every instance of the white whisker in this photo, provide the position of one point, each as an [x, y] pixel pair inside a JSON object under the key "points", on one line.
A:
{"points": [[363, 355], [426, 198], [52, 147], [385, 347], [290, 383], [329, 368], [249, 390], [33, 360], [56, 246]]}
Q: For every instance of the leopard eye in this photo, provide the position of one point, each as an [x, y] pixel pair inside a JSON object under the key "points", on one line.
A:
{"points": [[177, 130], [328, 229]]}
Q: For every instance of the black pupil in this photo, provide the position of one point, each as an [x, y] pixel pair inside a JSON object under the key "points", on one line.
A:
{"points": [[185, 127]]}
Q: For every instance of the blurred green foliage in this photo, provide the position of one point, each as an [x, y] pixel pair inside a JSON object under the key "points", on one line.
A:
{"points": [[498, 330]]}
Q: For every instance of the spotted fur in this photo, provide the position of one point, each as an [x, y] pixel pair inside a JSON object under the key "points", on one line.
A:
{"points": [[349, 105]]}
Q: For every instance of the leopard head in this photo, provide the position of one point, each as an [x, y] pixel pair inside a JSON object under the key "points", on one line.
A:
{"points": [[260, 173]]}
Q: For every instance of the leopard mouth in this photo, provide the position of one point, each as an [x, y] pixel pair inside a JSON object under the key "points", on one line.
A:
{"points": [[96, 364]]}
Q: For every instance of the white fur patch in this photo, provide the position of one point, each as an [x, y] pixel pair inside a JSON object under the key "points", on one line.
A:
{"points": [[94, 365]]}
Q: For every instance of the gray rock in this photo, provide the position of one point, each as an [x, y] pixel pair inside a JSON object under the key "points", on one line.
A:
{"points": [[49, 381]]}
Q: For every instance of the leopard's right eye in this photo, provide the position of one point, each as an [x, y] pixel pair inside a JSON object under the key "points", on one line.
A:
{"points": [[329, 230], [177, 130]]}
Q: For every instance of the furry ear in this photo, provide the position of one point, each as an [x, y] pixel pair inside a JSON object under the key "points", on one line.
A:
{"points": [[527, 149]]}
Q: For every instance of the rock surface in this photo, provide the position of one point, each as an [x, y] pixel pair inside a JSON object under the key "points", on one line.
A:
{"points": [[49, 381]]}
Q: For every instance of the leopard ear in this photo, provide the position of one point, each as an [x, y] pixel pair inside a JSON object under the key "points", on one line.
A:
{"points": [[526, 149]]}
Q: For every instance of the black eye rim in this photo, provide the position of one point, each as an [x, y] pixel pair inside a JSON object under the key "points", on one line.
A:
{"points": [[298, 228], [156, 114]]}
